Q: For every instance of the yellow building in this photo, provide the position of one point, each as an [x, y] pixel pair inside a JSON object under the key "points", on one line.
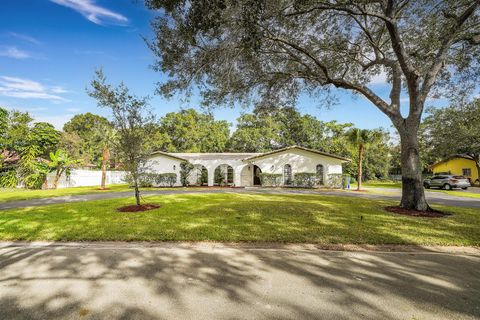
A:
{"points": [[459, 164]]}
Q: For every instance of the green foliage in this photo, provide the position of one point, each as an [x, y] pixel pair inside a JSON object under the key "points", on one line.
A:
{"points": [[305, 179], [191, 131], [451, 130], [44, 136], [83, 132], [8, 179], [271, 179], [335, 180], [166, 179], [185, 170], [32, 170], [133, 122]]}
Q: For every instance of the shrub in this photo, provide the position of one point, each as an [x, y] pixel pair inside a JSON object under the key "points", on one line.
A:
{"points": [[8, 179], [166, 179], [305, 179], [270, 179], [185, 169], [335, 180]]}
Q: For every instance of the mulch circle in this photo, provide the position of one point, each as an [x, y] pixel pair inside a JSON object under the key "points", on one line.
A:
{"points": [[136, 208], [103, 189], [414, 213]]}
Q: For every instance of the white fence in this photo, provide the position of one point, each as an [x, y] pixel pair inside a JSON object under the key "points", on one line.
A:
{"points": [[83, 178]]}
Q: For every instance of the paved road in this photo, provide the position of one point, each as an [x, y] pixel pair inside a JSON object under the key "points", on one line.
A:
{"points": [[389, 194], [175, 281]]}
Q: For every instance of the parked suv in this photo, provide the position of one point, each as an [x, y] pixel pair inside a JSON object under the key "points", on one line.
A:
{"points": [[447, 182]]}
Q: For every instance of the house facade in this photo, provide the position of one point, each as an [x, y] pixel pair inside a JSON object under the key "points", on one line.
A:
{"points": [[458, 164], [244, 169]]}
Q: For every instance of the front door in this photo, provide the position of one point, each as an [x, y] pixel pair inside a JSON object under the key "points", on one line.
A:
{"points": [[256, 176]]}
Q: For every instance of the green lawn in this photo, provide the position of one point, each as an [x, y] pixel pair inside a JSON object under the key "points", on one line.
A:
{"points": [[23, 194], [379, 184], [241, 217]]}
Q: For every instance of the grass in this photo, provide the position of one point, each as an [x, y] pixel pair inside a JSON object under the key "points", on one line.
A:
{"points": [[379, 184], [7, 195], [241, 217]]}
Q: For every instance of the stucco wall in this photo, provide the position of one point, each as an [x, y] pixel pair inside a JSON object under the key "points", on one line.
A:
{"points": [[300, 160], [455, 166]]}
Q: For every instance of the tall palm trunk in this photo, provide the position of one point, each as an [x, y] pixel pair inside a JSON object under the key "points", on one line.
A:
{"points": [[105, 158], [58, 173], [360, 165]]}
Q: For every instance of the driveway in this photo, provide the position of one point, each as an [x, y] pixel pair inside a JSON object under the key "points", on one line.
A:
{"points": [[386, 194], [214, 281]]}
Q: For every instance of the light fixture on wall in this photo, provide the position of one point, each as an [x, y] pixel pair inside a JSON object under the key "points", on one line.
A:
{"points": [[272, 168]]}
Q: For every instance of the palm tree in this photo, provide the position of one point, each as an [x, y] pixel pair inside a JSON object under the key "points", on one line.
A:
{"points": [[61, 162], [361, 139], [106, 136]]}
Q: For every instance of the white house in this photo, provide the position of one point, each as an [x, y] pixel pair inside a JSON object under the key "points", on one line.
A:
{"points": [[243, 169]]}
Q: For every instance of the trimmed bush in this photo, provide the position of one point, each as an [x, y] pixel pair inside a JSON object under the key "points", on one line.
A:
{"points": [[335, 180], [305, 179], [166, 179], [270, 179]]}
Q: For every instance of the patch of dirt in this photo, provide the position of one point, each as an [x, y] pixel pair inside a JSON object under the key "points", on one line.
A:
{"points": [[104, 189], [136, 208], [414, 213]]}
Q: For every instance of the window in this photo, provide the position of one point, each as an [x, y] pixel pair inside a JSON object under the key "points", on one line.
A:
{"points": [[467, 172], [287, 175], [320, 174]]}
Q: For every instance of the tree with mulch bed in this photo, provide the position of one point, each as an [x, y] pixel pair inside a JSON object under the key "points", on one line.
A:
{"points": [[133, 123]]}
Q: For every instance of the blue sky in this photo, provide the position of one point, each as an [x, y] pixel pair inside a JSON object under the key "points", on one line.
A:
{"points": [[49, 50]]}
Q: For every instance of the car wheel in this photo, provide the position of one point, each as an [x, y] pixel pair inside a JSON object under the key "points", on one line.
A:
{"points": [[446, 186], [464, 188], [426, 186]]}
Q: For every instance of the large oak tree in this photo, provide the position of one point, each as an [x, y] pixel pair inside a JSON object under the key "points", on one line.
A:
{"points": [[274, 50]]}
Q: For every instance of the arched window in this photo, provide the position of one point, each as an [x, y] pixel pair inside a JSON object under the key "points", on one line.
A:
{"points": [[320, 174], [287, 175], [223, 175]]}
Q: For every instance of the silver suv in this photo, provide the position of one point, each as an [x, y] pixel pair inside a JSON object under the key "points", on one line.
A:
{"points": [[447, 182]]}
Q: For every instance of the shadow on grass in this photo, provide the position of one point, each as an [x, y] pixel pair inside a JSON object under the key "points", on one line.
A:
{"points": [[129, 282]]}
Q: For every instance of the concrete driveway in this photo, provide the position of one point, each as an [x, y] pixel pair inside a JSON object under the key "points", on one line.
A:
{"points": [[385, 194], [211, 281]]}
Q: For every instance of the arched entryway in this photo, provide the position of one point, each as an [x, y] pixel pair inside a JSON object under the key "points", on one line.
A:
{"points": [[256, 175], [223, 175], [199, 175]]}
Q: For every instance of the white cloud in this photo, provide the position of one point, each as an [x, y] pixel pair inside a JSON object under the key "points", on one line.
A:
{"points": [[14, 52], [74, 110], [91, 11], [25, 37], [56, 121], [58, 89], [380, 78], [27, 89]]}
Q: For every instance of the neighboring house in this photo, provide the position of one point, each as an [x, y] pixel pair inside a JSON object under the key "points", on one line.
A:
{"points": [[243, 169], [458, 164]]}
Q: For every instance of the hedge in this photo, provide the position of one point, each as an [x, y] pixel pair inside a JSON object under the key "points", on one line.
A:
{"points": [[270, 179], [305, 179]]}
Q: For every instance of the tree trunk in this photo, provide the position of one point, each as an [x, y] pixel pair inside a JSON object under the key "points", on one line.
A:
{"points": [[58, 173], [360, 164], [413, 194], [105, 158]]}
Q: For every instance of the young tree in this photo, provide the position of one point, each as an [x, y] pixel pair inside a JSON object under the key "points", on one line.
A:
{"points": [[274, 50], [60, 162], [454, 129], [132, 121], [361, 139]]}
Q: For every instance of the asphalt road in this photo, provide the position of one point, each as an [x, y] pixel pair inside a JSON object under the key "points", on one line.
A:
{"points": [[388, 194], [211, 281]]}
